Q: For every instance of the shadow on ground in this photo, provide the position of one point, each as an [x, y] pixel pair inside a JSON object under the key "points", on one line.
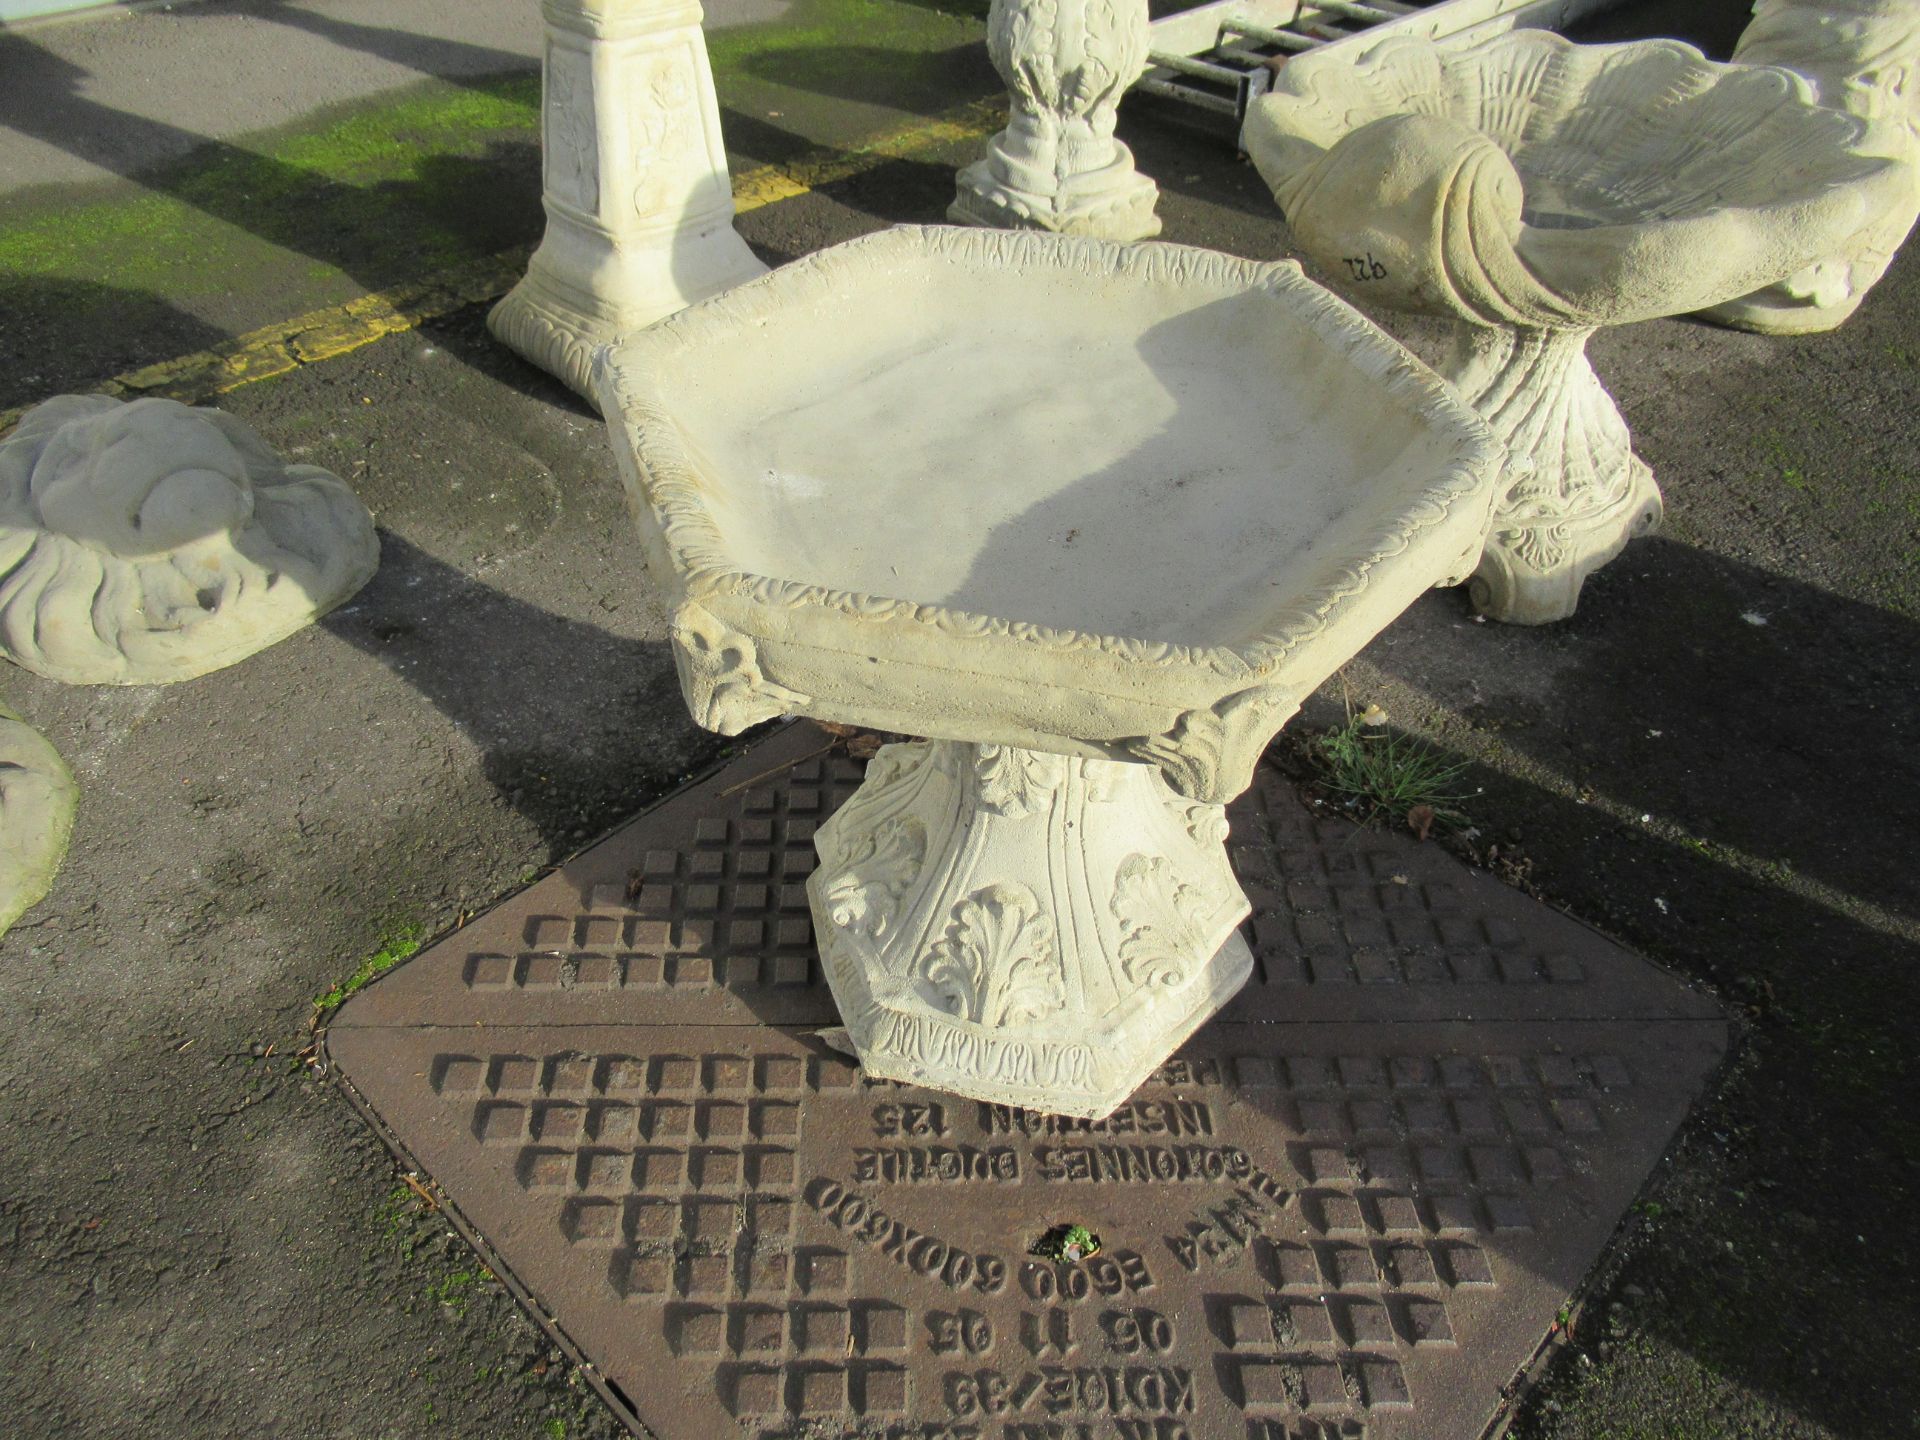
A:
{"points": [[434, 55], [1717, 763], [448, 207], [1759, 714], [63, 335], [494, 666]]}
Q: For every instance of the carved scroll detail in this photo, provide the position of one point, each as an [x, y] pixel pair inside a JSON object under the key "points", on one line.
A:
{"points": [[720, 675], [1210, 754]]}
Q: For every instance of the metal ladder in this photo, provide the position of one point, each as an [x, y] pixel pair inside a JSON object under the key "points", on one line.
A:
{"points": [[1222, 56]]}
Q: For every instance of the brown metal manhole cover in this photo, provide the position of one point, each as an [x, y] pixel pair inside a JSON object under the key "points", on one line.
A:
{"points": [[1350, 1207]]}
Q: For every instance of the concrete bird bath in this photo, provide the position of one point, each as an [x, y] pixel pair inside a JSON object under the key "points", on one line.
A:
{"points": [[1092, 517], [1533, 190]]}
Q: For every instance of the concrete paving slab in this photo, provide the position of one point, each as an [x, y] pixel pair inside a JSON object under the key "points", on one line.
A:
{"points": [[1340, 1217], [130, 86]]}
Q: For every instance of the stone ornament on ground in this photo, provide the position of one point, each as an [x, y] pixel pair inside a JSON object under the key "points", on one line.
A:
{"points": [[1533, 190], [1034, 514], [634, 183], [1863, 57], [1057, 165], [36, 816], [143, 542]]}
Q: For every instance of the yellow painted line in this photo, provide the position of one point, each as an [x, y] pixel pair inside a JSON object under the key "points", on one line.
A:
{"points": [[768, 184], [340, 329]]}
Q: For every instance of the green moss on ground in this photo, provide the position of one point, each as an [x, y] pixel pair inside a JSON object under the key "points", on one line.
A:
{"points": [[379, 193], [399, 945], [405, 185]]}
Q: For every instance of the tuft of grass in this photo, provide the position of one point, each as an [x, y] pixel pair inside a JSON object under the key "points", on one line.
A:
{"points": [[1067, 1243], [1785, 461], [1387, 775], [397, 947]]}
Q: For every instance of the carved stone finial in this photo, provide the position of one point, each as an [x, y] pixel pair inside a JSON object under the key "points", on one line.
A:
{"points": [[1057, 165]]}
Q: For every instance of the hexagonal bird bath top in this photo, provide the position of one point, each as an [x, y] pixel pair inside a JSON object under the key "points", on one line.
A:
{"points": [[1093, 517]]}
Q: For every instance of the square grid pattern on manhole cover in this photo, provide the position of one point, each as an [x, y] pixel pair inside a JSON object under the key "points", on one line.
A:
{"points": [[1350, 1207]]}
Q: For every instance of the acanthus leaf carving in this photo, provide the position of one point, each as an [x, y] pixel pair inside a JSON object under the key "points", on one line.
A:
{"points": [[1206, 823], [998, 963], [1104, 779], [1160, 919], [1015, 781], [720, 675], [865, 896]]}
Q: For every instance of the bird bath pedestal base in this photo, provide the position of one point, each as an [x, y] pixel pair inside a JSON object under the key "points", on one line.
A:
{"points": [[1057, 165], [1024, 928], [634, 182], [1576, 493]]}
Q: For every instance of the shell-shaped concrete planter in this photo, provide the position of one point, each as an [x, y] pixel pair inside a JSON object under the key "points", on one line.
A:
{"points": [[145, 542], [1533, 190], [1093, 516]]}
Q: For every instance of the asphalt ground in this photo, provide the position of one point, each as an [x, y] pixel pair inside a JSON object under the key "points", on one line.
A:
{"points": [[1713, 761]]}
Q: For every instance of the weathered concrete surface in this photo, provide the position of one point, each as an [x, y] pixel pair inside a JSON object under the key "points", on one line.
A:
{"points": [[198, 1241]]}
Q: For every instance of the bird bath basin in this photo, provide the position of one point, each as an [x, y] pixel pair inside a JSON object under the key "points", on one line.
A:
{"points": [[1532, 190], [1093, 518]]}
